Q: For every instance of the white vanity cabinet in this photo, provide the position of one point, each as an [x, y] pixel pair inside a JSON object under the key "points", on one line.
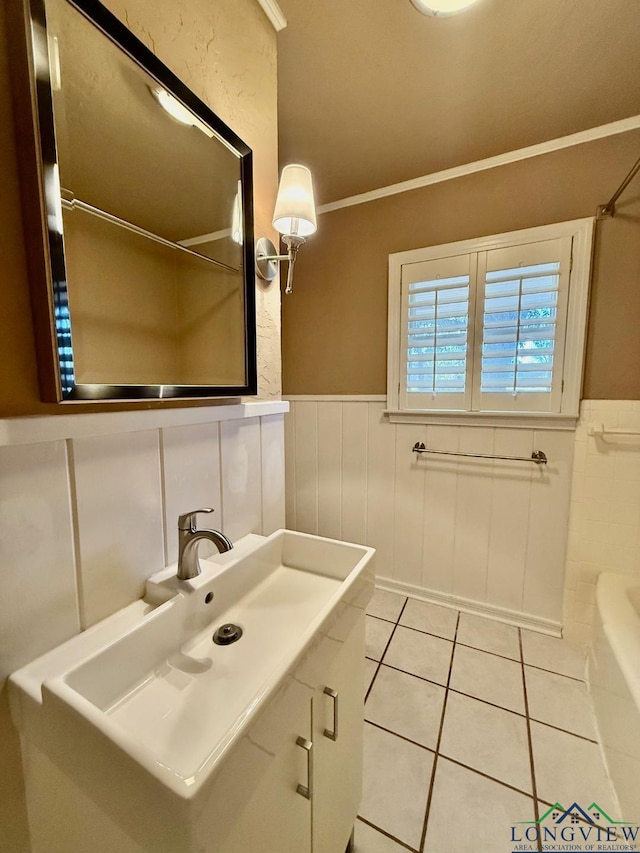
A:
{"points": [[338, 711], [277, 818], [308, 799]]}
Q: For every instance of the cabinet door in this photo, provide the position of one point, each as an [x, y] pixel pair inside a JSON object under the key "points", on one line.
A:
{"points": [[338, 712], [277, 818]]}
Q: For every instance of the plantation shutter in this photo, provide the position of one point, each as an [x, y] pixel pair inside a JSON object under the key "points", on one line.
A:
{"points": [[520, 326], [436, 339]]}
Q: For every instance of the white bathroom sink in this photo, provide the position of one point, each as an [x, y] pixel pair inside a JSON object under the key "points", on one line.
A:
{"points": [[151, 686]]}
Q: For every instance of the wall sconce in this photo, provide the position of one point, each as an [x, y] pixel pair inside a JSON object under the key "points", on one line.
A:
{"points": [[294, 217]]}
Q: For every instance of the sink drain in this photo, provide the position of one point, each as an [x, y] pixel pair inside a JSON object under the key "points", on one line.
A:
{"points": [[227, 634]]}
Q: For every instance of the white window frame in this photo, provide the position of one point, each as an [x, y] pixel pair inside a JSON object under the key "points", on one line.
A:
{"points": [[581, 231]]}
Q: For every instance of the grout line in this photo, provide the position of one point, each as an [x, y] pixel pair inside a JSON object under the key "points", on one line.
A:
{"points": [[375, 674], [553, 672], [486, 775], [387, 834], [564, 731], [476, 699], [427, 810], [477, 648], [402, 737], [452, 760], [536, 808]]}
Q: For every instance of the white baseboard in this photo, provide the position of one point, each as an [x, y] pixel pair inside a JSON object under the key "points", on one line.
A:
{"points": [[479, 608]]}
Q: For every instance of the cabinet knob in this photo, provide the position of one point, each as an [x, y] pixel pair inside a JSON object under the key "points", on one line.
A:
{"points": [[332, 734], [306, 791]]}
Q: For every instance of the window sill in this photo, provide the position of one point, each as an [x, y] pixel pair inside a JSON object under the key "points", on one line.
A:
{"points": [[513, 420]]}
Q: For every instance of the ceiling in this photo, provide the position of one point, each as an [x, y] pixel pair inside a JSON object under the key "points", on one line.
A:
{"points": [[373, 93]]}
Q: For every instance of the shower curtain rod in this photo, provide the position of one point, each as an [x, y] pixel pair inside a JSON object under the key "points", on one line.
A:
{"points": [[607, 210]]}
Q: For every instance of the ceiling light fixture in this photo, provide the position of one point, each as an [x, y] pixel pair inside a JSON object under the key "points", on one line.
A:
{"points": [[442, 8], [173, 107]]}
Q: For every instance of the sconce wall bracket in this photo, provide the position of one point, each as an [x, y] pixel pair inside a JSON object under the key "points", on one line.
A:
{"points": [[267, 259]]}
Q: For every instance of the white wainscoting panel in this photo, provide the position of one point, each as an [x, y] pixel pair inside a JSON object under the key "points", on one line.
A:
{"points": [[548, 525], [306, 466], [89, 513], [509, 525], [487, 535], [38, 602], [355, 420], [119, 519], [439, 527], [191, 480], [329, 416], [408, 486], [273, 484], [381, 466], [241, 477], [473, 514]]}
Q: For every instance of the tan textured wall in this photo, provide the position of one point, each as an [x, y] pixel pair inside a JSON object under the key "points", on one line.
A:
{"points": [[226, 52], [335, 323]]}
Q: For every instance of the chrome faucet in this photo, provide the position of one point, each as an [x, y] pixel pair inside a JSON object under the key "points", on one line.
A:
{"points": [[188, 538]]}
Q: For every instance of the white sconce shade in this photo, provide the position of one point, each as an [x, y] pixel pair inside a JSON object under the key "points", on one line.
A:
{"points": [[295, 211], [442, 7]]}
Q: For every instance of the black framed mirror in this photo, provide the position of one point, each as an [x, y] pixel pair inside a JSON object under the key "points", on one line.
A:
{"points": [[139, 217]]}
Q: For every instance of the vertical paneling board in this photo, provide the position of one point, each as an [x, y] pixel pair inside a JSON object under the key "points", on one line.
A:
{"points": [[273, 482], [509, 524], [439, 528], [38, 606], [548, 525], [473, 513], [355, 420], [381, 488], [330, 470], [191, 479], [241, 477], [306, 466], [409, 505], [120, 524], [290, 467]]}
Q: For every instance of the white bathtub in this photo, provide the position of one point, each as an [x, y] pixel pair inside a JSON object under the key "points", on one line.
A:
{"points": [[614, 677]]}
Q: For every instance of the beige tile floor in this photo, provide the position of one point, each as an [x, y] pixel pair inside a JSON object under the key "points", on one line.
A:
{"points": [[471, 725]]}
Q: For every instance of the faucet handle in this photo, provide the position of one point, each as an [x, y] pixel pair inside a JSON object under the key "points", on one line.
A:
{"points": [[188, 520]]}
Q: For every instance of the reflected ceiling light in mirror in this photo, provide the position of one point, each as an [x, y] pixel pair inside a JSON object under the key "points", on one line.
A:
{"points": [[178, 111], [442, 8], [236, 217], [294, 217]]}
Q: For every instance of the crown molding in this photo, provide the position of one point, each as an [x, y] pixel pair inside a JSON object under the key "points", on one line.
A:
{"points": [[275, 14], [594, 133]]}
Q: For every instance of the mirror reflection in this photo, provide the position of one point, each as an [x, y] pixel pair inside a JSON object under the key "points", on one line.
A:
{"points": [[152, 219]]}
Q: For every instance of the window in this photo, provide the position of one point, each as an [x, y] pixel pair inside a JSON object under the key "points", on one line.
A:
{"points": [[495, 325]]}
